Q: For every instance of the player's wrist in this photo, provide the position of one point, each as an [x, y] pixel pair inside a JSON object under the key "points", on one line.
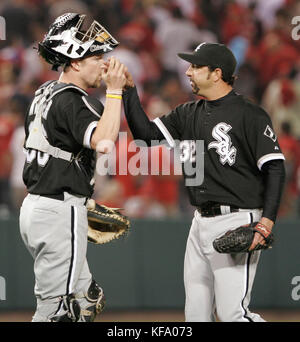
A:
{"points": [[114, 91], [267, 223], [114, 96]]}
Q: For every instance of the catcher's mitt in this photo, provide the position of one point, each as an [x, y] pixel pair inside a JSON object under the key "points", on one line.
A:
{"points": [[105, 224], [240, 239]]}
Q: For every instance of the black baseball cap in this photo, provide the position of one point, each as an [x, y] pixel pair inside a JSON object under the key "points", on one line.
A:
{"points": [[214, 55]]}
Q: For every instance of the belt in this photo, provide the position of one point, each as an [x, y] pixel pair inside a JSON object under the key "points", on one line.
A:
{"points": [[215, 209], [60, 197]]}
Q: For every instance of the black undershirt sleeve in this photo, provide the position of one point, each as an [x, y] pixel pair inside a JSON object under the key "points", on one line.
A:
{"points": [[140, 125], [274, 178]]}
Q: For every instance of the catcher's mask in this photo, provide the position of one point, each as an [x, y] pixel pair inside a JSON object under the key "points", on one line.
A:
{"points": [[71, 37]]}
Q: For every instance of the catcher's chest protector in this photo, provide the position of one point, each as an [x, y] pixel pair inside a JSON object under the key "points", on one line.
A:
{"points": [[40, 106]]}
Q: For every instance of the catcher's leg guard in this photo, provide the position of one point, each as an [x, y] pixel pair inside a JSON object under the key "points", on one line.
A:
{"points": [[69, 310], [94, 297]]}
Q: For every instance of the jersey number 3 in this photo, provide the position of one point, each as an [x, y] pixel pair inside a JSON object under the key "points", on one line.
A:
{"points": [[42, 158], [187, 151], [31, 154]]}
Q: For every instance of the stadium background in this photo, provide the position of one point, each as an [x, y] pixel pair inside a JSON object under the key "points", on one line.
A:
{"points": [[142, 274]]}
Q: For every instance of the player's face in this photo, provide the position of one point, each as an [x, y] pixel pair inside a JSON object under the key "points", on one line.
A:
{"points": [[200, 79], [91, 70]]}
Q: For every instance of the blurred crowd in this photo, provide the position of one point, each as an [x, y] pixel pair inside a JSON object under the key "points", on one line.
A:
{"points": [[151, 33]]}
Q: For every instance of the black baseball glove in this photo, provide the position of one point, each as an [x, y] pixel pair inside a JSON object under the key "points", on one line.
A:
{"points": [[240, 239], [105, 224]]}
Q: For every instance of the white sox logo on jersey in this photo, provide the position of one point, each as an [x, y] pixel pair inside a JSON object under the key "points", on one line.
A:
{"points": [[223, 144]]}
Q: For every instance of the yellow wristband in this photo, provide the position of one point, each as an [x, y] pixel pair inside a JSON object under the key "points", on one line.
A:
{"points": [[114, 96]]}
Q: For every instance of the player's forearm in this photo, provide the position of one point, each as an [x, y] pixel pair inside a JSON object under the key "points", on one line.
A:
{"points": [[108, 127], [140, 125], [274, 178]]}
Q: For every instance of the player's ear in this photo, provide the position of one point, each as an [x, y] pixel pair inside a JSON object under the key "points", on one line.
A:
{"points": [[217, 74], [76, 64]]}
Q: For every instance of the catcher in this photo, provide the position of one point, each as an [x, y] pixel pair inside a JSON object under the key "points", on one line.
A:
{"points": [[64, 126]]}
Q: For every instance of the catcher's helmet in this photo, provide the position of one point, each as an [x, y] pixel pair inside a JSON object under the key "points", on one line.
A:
{"points": [[70, 38]]}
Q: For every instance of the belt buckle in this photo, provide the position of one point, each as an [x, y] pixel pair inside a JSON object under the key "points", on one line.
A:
{"points": [[208, 212]]}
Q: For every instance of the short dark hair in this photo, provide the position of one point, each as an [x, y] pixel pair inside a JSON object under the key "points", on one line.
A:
{"points": [[229, 79]]}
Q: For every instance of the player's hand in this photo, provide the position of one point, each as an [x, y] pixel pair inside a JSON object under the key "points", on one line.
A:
{"points": [[129, 79], [258, 239], [114, 74]]}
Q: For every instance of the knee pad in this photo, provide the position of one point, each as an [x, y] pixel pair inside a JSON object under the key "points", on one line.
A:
{"points": [[95, 302], [69, 310]]}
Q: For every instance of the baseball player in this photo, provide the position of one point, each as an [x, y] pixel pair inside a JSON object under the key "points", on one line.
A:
{"points": [[242, 183], [64, 126]]}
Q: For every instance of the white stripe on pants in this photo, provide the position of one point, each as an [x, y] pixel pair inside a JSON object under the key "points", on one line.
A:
{"points": [[215, 281]]}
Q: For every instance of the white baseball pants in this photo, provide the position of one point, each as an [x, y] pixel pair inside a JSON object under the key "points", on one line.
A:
{"points": [[218, 283], [55, 233]]}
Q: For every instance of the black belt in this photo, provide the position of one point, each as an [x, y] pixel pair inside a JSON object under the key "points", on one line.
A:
{"points": [[60, 197], [215, 209]]}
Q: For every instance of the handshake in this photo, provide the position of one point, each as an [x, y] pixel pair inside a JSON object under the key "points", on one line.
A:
{"points": [[116, 75]]}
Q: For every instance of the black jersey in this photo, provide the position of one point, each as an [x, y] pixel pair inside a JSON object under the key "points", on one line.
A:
{"points": [[238, 139], [68, 122]]}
